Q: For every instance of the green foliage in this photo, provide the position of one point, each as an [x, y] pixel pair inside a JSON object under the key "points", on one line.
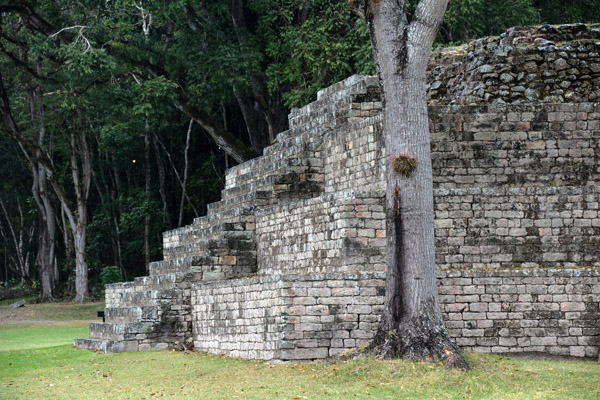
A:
{"points": [[110, 274], [311, 45], [469, 19], [560, 11]]}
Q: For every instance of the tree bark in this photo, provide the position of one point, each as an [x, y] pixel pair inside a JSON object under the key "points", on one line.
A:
{"points": [[411, 325], [147, 191], [69, 248], [81, 171], [21, 258]]}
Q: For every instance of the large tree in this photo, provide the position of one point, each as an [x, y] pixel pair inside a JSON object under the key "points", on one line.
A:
{"points": [[411, 325]]}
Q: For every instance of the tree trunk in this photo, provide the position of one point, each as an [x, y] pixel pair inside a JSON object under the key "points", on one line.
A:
{"points": [[22, 266], [162, 184], [256, 125], [411, 325], [69, 248], [181, 183], [185, 172], [48, 259], [81, 267], [81, 171], [147, 191]]}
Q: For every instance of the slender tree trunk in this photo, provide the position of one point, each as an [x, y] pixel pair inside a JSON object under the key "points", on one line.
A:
{"points": [[81, 266], [81, 172], [411, 325], [22, 265], [48, 266], [185, 172], [6, 264], [183, 187], [45, 270], [162, 183], [147, 191]]}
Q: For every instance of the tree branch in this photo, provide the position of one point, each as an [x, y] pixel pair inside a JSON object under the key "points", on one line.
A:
{"points": [[224, 139], [32, 19]]}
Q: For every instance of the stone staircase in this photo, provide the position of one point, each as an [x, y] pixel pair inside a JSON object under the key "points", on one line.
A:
{"points": [[153, 312]]}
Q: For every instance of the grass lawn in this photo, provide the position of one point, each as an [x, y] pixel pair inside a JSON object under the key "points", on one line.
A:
{"points": [[37, 361]]}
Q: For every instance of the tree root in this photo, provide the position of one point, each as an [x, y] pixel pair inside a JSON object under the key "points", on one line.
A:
{"points": [[418, 344]]}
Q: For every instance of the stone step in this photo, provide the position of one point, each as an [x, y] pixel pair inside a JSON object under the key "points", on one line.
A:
{"points": [[342, 113], [179, 264], [198, 230], [204, 238], [291, 174], [121, 331], [119, 315], [106, 346], [243, 214], [275, 157], [250, 199], [305, 155], [133, 298], [167, 281], [230, 263], [228, 243]]}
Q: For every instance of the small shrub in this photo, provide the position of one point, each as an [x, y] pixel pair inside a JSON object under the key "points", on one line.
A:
{"points": [[110, 274]]}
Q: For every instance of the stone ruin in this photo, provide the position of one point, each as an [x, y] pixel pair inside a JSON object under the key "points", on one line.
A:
{"points": [[290, 264]]}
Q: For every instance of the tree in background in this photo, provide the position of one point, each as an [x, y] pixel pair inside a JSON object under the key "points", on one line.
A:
{"points": [[470, 19]]}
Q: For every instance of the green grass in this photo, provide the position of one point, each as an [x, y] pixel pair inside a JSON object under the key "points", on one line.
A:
{"points": [[37, 336], [31, 369]]}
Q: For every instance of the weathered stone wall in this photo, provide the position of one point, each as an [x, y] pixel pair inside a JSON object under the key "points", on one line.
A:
{"points": [[354, 156], [331, 233], [550, 310], [514, 227], [288, 317], [515, 188], [534, 64], [515, 145]]}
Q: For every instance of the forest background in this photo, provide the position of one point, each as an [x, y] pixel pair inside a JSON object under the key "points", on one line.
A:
{"points": [[119, 118]]}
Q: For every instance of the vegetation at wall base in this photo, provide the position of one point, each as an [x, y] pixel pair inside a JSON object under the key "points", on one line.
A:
{"points": [[61, 372], [39, 362]]}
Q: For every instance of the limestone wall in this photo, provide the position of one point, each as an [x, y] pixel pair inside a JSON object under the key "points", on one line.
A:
{"points": [[515, 227], [336, 232], [516, 204], [288, 317], [515, 145], [550, 310]]}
